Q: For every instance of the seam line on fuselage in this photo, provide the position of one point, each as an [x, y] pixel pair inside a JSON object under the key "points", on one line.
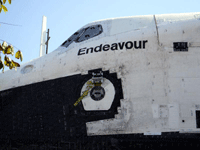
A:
{"points": [[156, 30]]}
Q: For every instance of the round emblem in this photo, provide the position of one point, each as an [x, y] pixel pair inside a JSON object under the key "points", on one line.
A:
{"points": [[97, 93]]}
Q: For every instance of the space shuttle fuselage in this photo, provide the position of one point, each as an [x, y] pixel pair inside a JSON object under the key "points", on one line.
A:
{"points": [[135, 75]]}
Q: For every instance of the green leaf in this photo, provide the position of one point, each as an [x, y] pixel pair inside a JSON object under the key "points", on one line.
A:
{"points": [[9, 1], [7, 61], [1, 49], [9, 50], [1, 64], [0, 9], [10, 66], [4, 8], [19, 55], [4, 45], [15, 64], [4, 1], [12, 50]]}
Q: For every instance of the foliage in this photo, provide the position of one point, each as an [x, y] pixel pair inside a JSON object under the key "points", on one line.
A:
{"points": [[9, 50], [2, 6]]}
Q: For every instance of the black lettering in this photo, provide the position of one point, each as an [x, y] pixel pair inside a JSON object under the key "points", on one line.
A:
{"points": [[129, 45], [121, 45], [106, 47], [114, 46], [135, 45], [144, 43], [81, 50], [98, 48], [91, 50]]}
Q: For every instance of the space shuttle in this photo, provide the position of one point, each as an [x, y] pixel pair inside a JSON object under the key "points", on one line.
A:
{"points": [[133, 77]]}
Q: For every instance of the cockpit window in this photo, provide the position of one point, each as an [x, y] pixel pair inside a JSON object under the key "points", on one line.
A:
{"points": [[84, 34], [72, 38], [90, 32]]}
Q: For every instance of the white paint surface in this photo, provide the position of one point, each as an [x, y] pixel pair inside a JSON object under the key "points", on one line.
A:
{"points": [[160, 86]]}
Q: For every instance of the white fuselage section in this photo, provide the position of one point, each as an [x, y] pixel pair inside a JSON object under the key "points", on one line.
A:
{"points": [[161, 87]]}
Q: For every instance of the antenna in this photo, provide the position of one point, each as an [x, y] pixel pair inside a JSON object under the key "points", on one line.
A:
{"points": [[43, 36], [47, 42]]}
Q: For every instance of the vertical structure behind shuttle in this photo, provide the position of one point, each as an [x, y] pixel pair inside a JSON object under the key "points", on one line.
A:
{"points": [[43, 36]]}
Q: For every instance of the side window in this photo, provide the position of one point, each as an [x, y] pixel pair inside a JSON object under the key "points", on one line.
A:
{"points": [[90, 32]]}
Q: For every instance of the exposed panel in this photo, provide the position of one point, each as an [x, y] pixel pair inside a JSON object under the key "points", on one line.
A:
{"points": [[198, 119]]}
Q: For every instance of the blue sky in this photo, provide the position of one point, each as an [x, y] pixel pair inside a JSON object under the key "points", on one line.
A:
{"points": [[64, 17]]}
